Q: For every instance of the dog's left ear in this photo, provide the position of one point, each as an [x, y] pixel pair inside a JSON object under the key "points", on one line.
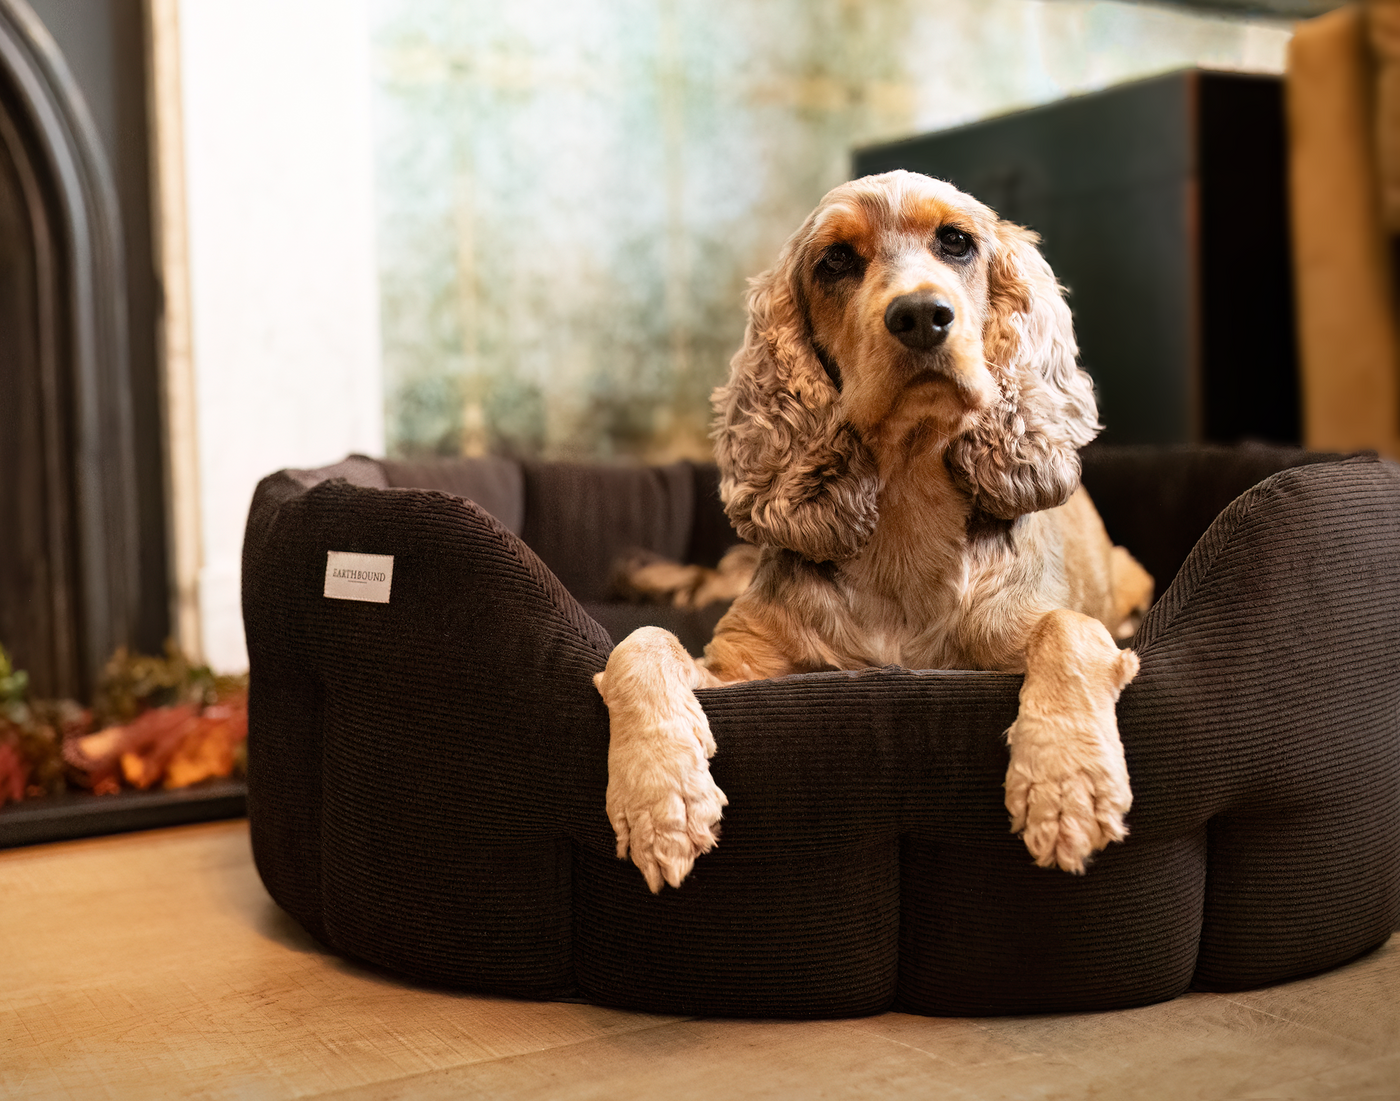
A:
{"points": [[1021, 455], [793, 472]]}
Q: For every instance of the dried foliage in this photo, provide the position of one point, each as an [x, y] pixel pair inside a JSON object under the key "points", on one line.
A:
{"points": [[155, 721], [132, 684], [31, 737]]}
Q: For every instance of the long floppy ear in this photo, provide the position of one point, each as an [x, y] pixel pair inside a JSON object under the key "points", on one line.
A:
{"points": [[1022, 454], [793, 473]]}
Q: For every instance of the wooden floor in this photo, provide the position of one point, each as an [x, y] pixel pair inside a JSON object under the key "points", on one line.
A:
{"points": [[154, 965]]}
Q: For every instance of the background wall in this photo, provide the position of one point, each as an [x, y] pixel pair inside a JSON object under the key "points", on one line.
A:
{"points": [[536, 219], [283, 292], [572, 193], [552, 205]]}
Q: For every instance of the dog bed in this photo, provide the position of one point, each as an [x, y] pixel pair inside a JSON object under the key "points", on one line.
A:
{"points": [[426, 775]]}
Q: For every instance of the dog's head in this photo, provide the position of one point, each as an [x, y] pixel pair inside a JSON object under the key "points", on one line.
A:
{"points": [[903, 314]]}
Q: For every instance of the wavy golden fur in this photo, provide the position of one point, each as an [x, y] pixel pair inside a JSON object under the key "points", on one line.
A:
{"points": [[899, 435]]}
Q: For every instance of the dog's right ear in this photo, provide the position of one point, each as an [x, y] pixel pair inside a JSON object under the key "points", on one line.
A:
{"points": [[793, 473], [1023, 454]]}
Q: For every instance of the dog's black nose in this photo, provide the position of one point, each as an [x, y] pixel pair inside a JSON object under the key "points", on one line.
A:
{"points": [[919, 321]]}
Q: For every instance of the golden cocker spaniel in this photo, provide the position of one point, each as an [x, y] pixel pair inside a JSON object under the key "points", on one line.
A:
{"points": [[899, 435]]}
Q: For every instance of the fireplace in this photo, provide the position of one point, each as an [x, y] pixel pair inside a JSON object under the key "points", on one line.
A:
{"points": [[69, 565], [82, 527]]}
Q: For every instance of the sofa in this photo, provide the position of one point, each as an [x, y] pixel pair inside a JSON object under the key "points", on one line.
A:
{"points": [[426, 775]]}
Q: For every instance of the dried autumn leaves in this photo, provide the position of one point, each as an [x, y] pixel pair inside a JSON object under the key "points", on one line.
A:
{"points": [[156, 721]]}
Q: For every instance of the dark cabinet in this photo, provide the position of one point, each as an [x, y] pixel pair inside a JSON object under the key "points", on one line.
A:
{"points": [[1162, 206]]}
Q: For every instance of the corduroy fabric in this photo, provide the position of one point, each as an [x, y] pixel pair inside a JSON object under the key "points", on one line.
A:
{"points": [[582, 519], [1135, 488], [426, 780], [711, 532], [496, 484]]}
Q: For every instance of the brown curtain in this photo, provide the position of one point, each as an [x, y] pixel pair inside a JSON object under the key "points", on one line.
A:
{"points": [[1344, 177]]}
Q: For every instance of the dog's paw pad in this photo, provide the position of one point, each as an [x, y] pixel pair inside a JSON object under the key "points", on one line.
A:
{"points": [[1064, 819], [669, 818]]}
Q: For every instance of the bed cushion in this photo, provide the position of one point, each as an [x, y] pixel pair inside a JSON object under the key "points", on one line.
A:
{"points": [[426, 781]]}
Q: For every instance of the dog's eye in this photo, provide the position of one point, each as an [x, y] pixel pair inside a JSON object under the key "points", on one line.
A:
{"points": [[838, 260], [954, 242]]}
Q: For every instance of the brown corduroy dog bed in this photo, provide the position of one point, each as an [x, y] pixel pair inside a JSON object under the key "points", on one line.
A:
{"points": [[426, 775]]}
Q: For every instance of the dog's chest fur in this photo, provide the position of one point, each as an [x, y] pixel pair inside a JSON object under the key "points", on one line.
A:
{"points": [[922, 593]]}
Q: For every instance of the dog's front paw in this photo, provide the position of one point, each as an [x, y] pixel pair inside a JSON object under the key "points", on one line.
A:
{"points": [[1067, 803], [662, 802], [1067, 787]]}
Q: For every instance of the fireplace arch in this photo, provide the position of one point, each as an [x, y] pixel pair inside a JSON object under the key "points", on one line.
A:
{"points": [[69, 524]]}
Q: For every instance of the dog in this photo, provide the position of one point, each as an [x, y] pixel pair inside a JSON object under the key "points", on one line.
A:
{"points": [[646, 577], [899, 437]]}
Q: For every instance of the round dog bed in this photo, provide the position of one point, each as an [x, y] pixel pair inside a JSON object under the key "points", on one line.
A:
{"points": [[426, 774]]}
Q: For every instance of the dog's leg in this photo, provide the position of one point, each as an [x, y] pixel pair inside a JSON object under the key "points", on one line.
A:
{"points": [[662, 802], [1067, 787]]}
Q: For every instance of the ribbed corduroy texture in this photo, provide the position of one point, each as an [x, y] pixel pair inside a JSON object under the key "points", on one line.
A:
{"points": [[426, 781]]}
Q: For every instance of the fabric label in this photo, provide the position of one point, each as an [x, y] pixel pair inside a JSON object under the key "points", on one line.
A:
{"points": [[359, 576]]}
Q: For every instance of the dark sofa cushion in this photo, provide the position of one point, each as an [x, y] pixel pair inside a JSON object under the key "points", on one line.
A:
{"points": [[358, 470], [694, 627], [711, 534], [586, 519], [1134, 488], [494, 483], [582, 518], [426, 781]]}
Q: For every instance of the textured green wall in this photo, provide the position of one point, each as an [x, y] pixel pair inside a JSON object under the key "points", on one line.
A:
{"points": [[572, 193]]}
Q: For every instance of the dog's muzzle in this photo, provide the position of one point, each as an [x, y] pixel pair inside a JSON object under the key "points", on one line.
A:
{"points": [[919, 321]]}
